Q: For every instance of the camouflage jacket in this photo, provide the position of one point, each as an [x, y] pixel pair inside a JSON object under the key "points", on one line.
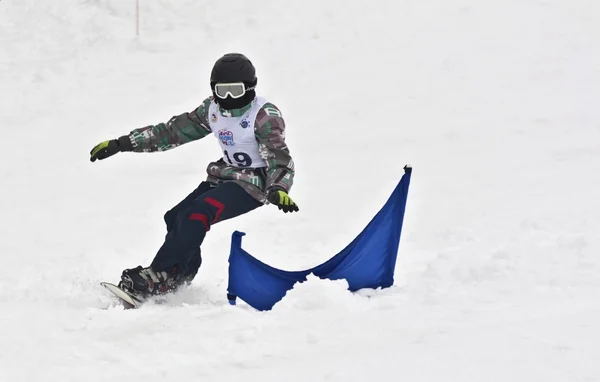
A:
{"points": [[269, 130]]}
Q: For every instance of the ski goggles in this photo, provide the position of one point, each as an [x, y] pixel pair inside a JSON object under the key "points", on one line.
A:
{"points": [[234, 89]]}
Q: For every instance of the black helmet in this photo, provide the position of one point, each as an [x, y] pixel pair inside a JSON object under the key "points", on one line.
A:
{"points": [[234, 67]]}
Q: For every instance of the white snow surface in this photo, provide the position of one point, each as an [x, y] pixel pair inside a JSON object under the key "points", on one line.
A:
{"points": [[494, 103]]}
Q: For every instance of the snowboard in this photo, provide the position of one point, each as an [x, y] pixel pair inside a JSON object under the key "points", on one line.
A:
{"points": [[128, 300]]}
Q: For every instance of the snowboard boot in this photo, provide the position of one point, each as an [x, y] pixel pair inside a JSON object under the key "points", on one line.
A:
{"points": [[145, 282]]}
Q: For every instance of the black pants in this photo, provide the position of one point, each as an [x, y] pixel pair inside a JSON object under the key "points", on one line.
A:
{"points": [[188, 222]]}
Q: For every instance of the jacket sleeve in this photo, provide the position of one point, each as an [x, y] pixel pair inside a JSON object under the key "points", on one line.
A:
{"points": [[269, 130], [180, 129]]}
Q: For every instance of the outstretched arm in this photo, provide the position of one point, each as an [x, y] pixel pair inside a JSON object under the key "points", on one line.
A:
{"points": [[180, 129]]}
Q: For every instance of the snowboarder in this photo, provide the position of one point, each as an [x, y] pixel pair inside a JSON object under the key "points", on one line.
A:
{"points": [[256, 169]]}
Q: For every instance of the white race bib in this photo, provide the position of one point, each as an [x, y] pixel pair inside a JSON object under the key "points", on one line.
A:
{"points": [[236, 135]]}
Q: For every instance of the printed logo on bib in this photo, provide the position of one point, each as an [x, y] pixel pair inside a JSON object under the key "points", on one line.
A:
{"points": [[245, 123], [226, 137]]}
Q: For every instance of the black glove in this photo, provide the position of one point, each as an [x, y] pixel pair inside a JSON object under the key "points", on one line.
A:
{"points": [[282, 200], [108, 148]]}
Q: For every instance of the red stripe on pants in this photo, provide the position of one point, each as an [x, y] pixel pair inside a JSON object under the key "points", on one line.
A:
{"points": [[202, 218], [218, 205]]}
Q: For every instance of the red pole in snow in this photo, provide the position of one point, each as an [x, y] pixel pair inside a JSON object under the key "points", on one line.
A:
{"points": [[137, 17]]}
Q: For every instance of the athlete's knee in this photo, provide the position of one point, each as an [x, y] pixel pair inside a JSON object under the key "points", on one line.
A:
{"points": [[169, 219], [195, 218]]}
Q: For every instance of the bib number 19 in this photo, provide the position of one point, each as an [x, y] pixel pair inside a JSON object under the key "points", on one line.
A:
{"points": [[241, 159]]}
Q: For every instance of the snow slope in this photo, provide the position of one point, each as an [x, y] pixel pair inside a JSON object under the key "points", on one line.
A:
{"points": [[493, 103]]}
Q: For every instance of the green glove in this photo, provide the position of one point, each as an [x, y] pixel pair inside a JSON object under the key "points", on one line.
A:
{"points": [[282, 200], [108, 148]]}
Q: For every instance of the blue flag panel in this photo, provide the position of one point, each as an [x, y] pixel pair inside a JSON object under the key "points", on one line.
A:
{"points": [[367, 262]]}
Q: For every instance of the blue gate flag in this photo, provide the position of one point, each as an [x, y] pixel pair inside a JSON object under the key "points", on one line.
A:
{"points": [[368, 261]]}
